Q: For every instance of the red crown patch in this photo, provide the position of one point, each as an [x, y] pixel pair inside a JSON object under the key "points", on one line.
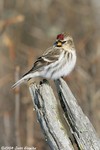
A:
{"points": [[60, 36]]}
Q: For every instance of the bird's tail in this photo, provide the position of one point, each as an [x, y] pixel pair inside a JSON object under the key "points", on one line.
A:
{"points": [[25, 78]]}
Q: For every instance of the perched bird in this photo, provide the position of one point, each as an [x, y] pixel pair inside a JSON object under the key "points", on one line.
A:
{"points": [[57, 61]]}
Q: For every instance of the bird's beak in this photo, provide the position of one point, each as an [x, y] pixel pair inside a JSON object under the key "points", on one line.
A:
{"points": [[58, 44]]}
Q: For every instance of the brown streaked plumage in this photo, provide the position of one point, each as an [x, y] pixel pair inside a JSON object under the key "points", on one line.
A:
{"points": [[57, 61]]}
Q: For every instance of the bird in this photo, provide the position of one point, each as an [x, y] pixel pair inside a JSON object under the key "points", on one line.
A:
{"points": [[56, 62]]}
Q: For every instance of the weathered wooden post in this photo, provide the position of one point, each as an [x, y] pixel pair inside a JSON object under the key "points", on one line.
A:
{"points": [[55, 120]]}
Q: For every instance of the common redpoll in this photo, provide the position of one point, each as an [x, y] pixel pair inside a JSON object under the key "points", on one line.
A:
{"points": [[57, 61]]}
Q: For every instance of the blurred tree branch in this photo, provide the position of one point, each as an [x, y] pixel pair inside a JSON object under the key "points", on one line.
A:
{"points": [[13, 20]]}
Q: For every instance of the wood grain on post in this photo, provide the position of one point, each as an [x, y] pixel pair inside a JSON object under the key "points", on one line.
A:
{"points": [[51, 121], [80, 126]]}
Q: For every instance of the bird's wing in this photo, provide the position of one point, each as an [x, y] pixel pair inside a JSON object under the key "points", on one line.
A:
{"points": [[49, 56]]}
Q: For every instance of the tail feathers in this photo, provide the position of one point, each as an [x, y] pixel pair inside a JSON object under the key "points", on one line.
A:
{"points": [[18, 83], [25, 78]]}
